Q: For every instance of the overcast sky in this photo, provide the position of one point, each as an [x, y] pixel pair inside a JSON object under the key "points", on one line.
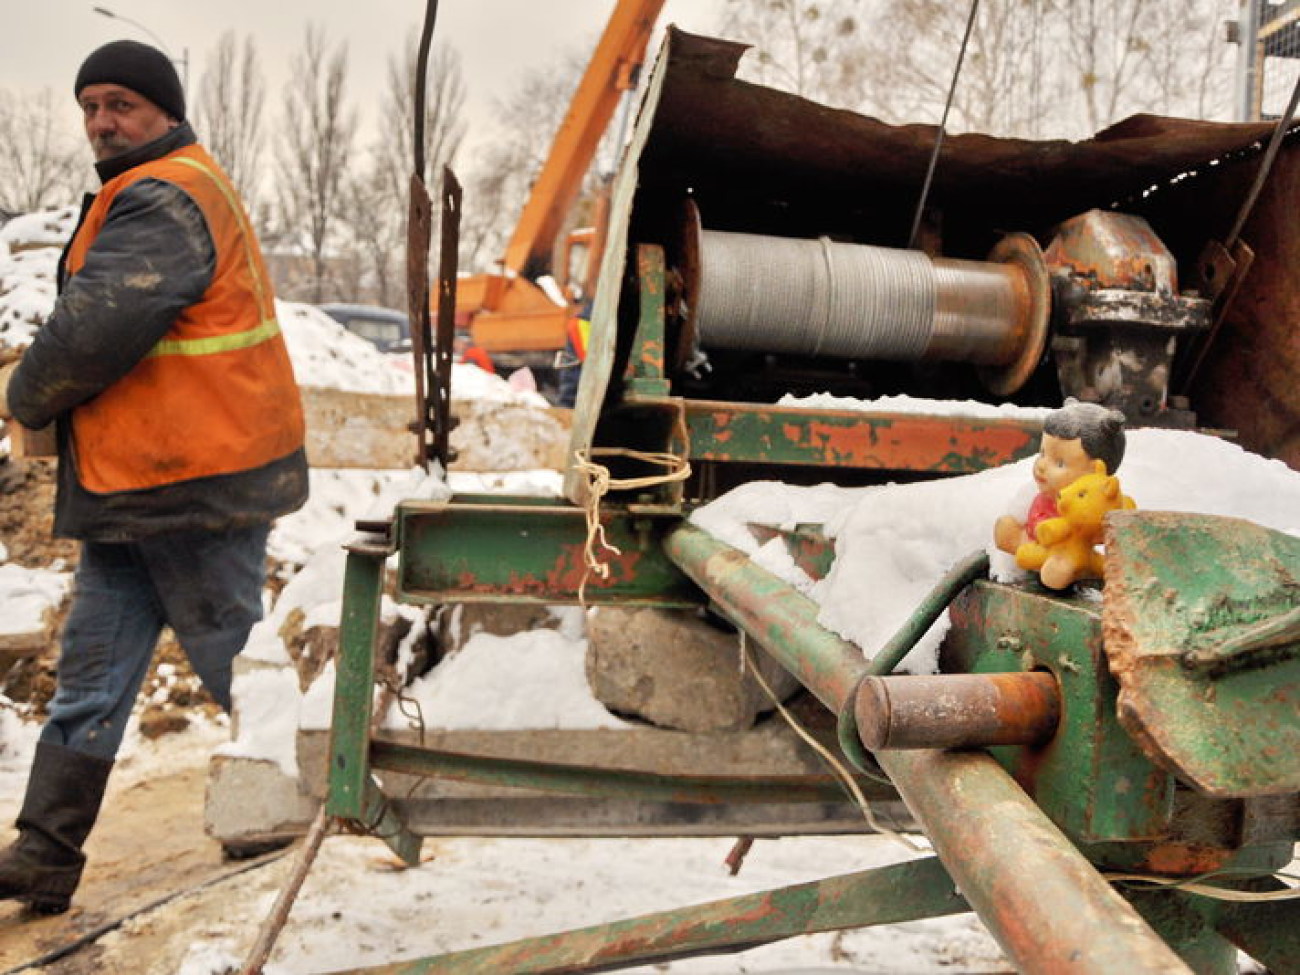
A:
{"points": [[44, 41]]}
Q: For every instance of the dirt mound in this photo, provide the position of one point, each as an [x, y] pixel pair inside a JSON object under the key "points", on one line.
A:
{"points": [[26, 525], [27, 515]]}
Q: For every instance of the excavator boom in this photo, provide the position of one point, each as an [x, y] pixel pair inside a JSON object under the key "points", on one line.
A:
{"points": [[612, 71], [507, 314]]}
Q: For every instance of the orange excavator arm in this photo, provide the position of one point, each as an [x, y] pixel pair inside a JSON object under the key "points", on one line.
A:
{"points": [[612, 71]]}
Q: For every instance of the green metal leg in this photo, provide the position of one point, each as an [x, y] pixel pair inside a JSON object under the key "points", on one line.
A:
{"points": [[382, 821], [353, 792], [349, 774], [887, 895]]}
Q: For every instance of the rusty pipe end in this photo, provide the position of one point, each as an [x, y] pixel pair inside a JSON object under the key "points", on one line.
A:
{"points": [[957, 710]]}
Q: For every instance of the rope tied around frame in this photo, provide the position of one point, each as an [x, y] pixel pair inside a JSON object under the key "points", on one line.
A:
{"points": [[600, 482]]}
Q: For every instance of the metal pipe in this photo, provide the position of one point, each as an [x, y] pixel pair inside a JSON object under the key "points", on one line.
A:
{"points": [[957, 710], [1046, 905], [779, 618], [1044, 902]]}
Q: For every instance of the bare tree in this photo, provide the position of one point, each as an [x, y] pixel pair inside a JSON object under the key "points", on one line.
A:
{"points": [[1188, 77], [444, 121], [802, 47], [506, 164], [377, 200], [229, 112], [1005, 87], [1041, 68], [315, 147], [41, 163], [370, 216], [1104, 45]]}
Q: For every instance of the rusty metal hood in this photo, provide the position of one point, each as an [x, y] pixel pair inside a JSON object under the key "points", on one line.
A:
{"points": [[730, 141]]}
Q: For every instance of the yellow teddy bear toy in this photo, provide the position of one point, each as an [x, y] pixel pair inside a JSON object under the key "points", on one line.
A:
{"points": [[1064, 547]]}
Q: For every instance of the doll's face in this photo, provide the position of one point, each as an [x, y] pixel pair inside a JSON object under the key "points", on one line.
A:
{"points": [[1060, 463]]}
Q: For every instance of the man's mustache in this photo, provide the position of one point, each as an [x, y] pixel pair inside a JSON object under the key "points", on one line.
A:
{"points": [[111, 142]]}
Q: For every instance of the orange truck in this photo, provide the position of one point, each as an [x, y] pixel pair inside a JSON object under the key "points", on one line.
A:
{"points": [[506, 312]]}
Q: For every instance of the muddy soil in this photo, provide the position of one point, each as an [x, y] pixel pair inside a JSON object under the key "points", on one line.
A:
{"points": [[147, 849], [26, 523]]}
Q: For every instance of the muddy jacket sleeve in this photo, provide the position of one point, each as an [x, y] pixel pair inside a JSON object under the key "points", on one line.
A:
{"points": [[153, 258]]}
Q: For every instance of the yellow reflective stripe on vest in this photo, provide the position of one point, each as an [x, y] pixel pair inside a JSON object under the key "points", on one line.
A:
{"points": [[242, 220], [217, 343]]}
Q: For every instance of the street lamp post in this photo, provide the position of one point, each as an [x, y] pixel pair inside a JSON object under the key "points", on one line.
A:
{"points": [[183, 60]]}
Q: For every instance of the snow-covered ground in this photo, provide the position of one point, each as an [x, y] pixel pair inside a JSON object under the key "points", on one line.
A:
{"points": [[892, 543]]}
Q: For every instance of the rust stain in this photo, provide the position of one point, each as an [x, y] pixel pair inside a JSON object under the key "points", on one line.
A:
{"points": [[569, 570], [1185, 859]]}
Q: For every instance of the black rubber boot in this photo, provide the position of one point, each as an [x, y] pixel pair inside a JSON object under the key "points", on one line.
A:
{"points": [[43, 866]]}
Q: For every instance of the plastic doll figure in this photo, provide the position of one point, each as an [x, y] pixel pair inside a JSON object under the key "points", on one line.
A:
{"points": [[1073, 437], [1065, 548]]}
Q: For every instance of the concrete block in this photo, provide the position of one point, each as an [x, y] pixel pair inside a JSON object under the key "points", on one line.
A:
{"points": [[676, 670], [251, 802]]}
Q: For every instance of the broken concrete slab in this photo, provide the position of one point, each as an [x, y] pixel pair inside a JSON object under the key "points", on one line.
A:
{"points": [[372, 431], [252, 801], [677, 670]]}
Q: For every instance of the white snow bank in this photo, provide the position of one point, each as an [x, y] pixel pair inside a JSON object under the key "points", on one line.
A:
{"points": [[29, 257], [18, 736], [326, 354], [267, 697], [44, 228], [471, 893], [911, 404], [894, 542], [28, 596], [526, 681]]}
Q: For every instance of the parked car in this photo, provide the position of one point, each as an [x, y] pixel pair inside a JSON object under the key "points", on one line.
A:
{"points": [[387, 329]]}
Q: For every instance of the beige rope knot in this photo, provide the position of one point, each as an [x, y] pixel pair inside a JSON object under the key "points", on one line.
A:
{"points": [[599, 482]]}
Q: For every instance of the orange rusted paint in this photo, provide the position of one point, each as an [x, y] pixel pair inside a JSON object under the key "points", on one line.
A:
{"points": [[1184, 859], [844, 438]]}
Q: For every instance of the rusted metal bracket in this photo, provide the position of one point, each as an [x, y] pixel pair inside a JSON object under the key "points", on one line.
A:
{"points": [[1222, 273], [496, 549], [1201, 632], [445, 336]]}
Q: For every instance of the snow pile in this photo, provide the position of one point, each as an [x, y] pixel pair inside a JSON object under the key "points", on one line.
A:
{"points": [[45, 228], [968, 408], [493, 683], [30, 596], [894, 542], [17, 740], [29, 258], [326, 354], [356, 911], [547, 687]]}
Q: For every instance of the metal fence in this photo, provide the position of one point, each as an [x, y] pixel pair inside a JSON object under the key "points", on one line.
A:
{"points": [[1273, 59]]}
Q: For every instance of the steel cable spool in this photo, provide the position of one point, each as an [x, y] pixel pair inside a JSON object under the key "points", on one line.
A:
{"points": [[854, 301]]}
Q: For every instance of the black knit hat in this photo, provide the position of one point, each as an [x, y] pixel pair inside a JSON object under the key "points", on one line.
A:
{"points": [[137, 66]]}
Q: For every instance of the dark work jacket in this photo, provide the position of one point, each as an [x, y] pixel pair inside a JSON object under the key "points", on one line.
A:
{"points": [[153, 257]]}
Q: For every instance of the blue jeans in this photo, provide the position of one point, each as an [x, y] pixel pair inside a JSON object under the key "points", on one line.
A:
{"points": [[207, 586]]}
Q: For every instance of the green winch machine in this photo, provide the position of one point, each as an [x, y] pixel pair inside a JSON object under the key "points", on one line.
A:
{"points": [[1112, 786]]}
